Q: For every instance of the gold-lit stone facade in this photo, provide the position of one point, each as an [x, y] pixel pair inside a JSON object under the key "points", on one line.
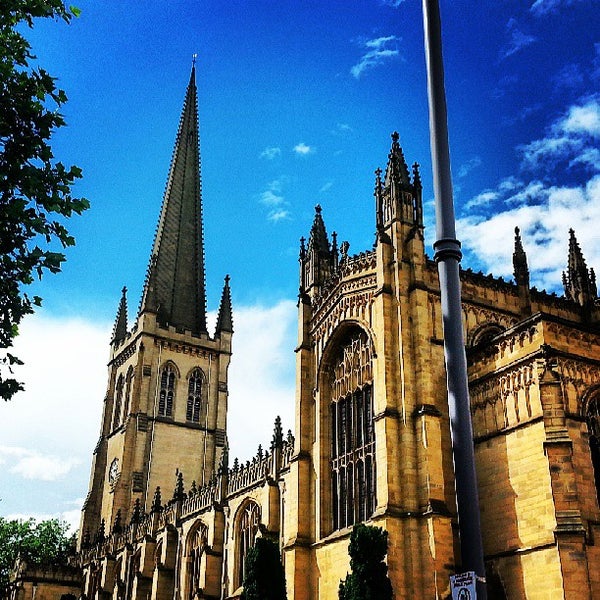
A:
{"points": [[371, 439]]}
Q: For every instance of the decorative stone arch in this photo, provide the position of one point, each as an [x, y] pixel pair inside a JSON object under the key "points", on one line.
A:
{"points": [[484, 333], [246, 527], [346, 397], [196, 544], [590, 410]]}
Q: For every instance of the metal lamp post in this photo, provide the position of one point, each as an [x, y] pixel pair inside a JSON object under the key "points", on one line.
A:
{"points": [[448, 256]]}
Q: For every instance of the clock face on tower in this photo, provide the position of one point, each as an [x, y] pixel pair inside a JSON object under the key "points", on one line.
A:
{"points": [[113, 471]]}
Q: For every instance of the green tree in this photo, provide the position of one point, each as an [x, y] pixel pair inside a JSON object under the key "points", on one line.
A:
{"points": [[264, 577], [35, 541], [35, 189], [369, 579]]}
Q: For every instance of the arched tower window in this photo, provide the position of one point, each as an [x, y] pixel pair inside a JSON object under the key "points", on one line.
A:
{"points": [[128, 390], [195, 550], [167, 391], [352, 432], [194, 400], [118, 403], [246, 535], [593, 423]]}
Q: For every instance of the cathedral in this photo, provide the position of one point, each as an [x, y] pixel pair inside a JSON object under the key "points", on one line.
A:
{"points": [[170, 515]]}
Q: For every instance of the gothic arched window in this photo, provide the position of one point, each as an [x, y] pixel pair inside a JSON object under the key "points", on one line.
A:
{"points": [[352, 433], [167, 391], [118, 403], [246, 535], [194, 400], [195, 550], [128, 389], [593, 423]]}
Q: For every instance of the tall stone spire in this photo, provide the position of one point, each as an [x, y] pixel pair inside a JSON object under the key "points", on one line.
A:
{"points": [[175, 280], [225, 316], [579, 283], [120, 328]]}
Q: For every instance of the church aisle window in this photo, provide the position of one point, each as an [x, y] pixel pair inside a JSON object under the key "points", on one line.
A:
{"points": [[246, 534], [167, 392], [352, 433], [194, 401], [196, 547]]}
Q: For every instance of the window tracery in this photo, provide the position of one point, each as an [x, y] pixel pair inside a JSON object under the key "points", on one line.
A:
{"points": [[246, 534], [352, 433], [196, 548], [194, 400], [167, 391]]}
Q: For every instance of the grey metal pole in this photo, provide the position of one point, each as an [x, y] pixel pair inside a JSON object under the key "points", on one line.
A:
{"points": [[448, 256]]}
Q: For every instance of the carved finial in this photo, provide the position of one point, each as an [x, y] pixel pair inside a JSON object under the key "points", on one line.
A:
{"points": [[260, 453], [224, 461], [395, 137], [101, 532], [236, 464], [277, 440], [318, 209], [117, 526], [136, 515], [179, 491], [416, 175], [194, 57], [156, 501]]}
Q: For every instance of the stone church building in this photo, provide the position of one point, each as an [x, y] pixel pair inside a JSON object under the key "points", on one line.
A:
{"points": [[170, 515]]}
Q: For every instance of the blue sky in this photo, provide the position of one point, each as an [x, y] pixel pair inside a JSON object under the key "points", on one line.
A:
{"points": [[297, 100]]}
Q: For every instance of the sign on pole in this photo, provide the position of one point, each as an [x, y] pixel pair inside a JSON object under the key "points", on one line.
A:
{"points": [[463, 586]]}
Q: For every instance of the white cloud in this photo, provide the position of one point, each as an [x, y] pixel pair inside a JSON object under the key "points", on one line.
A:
{"points": [[544, 7], [303, 149], [43, 467], [517, 39], [326, 187], [270, 198], [279, 214], [467, 167], [393, 3], [571, 138], [378, 50], [583, 119], [270, 152], [274, 199], [544, 215]]}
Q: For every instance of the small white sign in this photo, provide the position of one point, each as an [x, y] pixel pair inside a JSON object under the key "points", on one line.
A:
{"points": [[464, 586]]}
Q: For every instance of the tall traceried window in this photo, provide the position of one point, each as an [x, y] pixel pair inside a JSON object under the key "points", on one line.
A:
{"points": [[593, 423], [167, 391], [246, 535], [197, 541], [353, 497], [118, 407], [194, 400]]}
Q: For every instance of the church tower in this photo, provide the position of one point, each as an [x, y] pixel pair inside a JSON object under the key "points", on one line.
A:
{"points": [[165, 409]]}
